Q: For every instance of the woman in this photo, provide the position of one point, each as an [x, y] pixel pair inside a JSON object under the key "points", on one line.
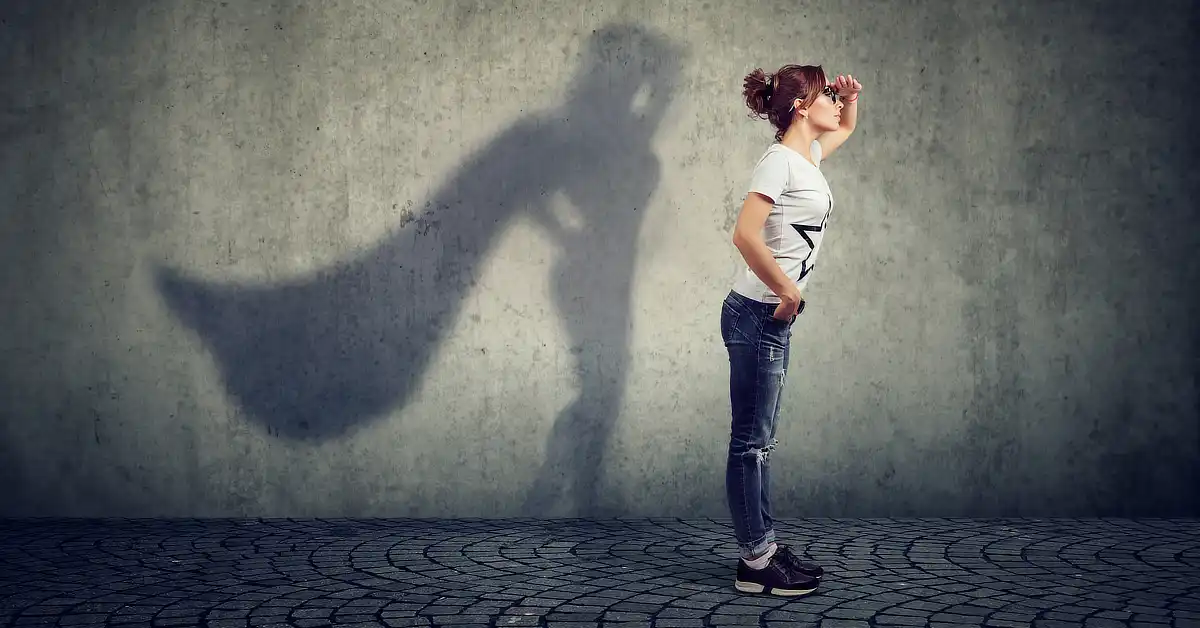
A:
{"points": [[779, 233]]}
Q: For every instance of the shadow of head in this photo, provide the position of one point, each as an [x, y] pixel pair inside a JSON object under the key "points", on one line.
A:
{"points": [[626, 78], [319, 355]]}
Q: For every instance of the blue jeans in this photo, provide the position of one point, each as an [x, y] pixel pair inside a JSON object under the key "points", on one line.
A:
{"points": [[758, 346]]}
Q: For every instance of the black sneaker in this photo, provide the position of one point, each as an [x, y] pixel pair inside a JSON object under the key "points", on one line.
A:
{"points": [[776, 579], [811, 570]]}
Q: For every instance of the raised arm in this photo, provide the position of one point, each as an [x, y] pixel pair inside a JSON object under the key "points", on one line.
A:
{"points": [[847, 89]]}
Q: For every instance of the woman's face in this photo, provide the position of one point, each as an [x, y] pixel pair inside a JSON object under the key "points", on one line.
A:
{"points": [[826, 111]]}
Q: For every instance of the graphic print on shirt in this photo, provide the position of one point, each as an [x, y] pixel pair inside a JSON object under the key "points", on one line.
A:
{"points": [[803, 230]]}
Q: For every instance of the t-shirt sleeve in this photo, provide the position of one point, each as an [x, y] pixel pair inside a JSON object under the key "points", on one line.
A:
{"points": [[770, 175]]}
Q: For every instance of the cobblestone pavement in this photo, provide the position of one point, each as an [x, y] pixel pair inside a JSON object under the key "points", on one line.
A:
{"points": [[666, 573]]}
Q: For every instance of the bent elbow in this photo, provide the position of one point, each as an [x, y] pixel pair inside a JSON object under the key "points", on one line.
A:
{"points": [[741, 239]]}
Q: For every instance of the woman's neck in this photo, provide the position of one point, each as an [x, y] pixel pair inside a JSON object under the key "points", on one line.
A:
{"points": [[799, 137]]}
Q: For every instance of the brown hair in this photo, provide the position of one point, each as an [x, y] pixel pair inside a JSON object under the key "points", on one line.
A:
{"points": [[771, 97]]}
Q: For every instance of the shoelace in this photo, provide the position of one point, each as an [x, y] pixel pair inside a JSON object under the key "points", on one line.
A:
{"points": [[791, 560]]}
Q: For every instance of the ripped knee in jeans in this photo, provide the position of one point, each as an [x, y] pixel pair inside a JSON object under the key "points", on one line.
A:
{"points": [[763, 454]]}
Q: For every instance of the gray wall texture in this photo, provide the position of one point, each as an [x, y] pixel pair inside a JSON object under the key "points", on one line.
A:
{"points": [[466, 259]]}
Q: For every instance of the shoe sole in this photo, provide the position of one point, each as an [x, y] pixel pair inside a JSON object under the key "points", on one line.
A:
{"points": [[752, 587]]}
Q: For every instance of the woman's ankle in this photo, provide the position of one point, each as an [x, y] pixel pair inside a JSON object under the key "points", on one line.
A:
{"points": [[770, 548]]}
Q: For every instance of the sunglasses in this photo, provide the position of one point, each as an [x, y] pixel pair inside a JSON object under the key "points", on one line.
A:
{"points": [[828, 91]]}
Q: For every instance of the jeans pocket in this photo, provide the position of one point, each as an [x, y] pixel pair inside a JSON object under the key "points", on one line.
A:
{"points": [[770, 319], [777, 329], [730, 316]]}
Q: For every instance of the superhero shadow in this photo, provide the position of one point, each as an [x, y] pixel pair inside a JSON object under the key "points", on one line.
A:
{"points": [[319, 355]]}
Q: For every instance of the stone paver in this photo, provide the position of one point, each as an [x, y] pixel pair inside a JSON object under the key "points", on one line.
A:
{"points": [[661, 573]]}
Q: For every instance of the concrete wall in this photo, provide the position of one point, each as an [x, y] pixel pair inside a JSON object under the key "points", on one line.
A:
{"points": [[379, 258]]}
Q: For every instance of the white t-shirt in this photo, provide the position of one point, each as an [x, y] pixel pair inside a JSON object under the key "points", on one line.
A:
{"points": [[795, 227]]}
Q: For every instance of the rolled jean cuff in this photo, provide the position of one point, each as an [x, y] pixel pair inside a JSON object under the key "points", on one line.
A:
{"points": [[757, 549]]}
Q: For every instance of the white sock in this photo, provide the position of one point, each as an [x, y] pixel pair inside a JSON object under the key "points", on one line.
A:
{"points": [[761, 561]]}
